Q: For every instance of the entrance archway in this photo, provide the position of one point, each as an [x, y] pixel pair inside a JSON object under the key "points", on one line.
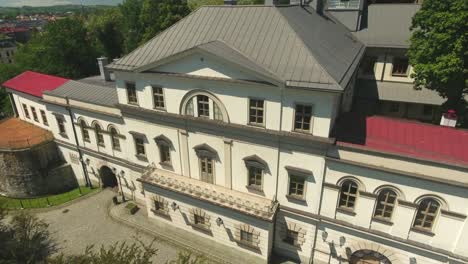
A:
{"points": [[108, 177], [366, 256]]}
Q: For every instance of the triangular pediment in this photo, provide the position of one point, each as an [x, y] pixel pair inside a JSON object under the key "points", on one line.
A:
{"points": [[213, 60]]}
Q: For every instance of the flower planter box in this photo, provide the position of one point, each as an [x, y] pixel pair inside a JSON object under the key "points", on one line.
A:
{"points": [[132, 208]]}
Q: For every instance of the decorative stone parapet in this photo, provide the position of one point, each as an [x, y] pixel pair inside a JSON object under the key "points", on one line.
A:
{"points": [[242, 202]]}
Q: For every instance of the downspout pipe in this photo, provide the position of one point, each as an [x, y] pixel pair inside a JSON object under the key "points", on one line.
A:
{"points": [[83, 166]]}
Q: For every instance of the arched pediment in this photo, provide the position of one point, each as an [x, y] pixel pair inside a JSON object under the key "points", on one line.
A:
{"points": [[163, 140], [256, 161], [204, 150]]}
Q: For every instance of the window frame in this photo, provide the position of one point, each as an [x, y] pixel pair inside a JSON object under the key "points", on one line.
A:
{"points": [[386, 204], [262, 176], [163, 153], [398, 74], [207, 104], [127, 85], [311, 122], [291, 176], [61, 126], [115, 138], [26, 111], [45, 121], [98, 132], [249, 107], [34, 114], [426, 214], [348, 194], [246, 234], [136, 144], [162, 95], [201, 161], [84, 131], [291, 240]]}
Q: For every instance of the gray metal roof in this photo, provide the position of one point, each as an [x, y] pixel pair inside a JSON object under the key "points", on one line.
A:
{"points": [[85, 92], [399, 92], [273, 39], [388, 25]]}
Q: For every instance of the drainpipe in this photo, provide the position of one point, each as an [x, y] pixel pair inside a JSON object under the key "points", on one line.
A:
{"points": [[85, 171], [278, 165]]}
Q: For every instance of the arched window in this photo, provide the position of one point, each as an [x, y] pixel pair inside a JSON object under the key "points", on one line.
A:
{"points": [[115, 138], [427, 212], [99, 135], [348, 194], [205, 105], [386, 201], [206, 159], [84, 131]]}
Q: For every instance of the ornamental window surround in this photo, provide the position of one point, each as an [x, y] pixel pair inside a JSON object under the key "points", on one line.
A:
{"points": [[202, 104], [348, 194], [165, 146], [303, 118], [426, 215], [297, 183], [246, 235], [256, 112], [386, 202], [256, 168], [207, 157], [160, 206], [139, 141], [199, 219], [293, 234]]}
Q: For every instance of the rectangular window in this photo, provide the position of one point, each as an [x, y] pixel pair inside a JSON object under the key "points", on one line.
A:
{"points": [[140, 146], [165, 153], [428, 110], [400, 67], [158, 97], [203, 103], [292, 237], [158, 206], [198, 219], [255, 177], [44, 118], [26, 111], [246, 237], [206, 168], [296, 186], [131, 93], [256, 111], [61, 126], [368, 65], [34, 114], [303, 118]]}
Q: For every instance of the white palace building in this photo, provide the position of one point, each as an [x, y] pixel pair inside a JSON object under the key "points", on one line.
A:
{"points": [[244, 125]]}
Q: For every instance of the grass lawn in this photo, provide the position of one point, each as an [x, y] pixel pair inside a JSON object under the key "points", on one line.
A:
{"points": [[42, 202]]}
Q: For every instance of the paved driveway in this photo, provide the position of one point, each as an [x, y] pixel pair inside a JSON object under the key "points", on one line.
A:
{"points": [[87, 223]]}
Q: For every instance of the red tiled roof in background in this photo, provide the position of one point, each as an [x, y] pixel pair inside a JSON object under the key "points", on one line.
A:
{"points": [[12, 29], [34, 83], [426, 141]]}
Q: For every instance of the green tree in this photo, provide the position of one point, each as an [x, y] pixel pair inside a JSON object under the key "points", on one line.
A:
{"points": [[195, 4], [106, 30], [7, 71], [24, 240], [438, 50], [159, 15], [63, 48], [132, 28]]}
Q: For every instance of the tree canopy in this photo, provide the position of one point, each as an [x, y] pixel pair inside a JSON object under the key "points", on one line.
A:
{"points": [[63, 48], [438, 50]]}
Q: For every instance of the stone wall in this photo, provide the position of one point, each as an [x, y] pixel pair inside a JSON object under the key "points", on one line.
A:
{"points": [[34, 172]]}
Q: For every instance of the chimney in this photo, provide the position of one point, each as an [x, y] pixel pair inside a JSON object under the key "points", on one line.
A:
{"points": [[230, 2], [105, 74]]}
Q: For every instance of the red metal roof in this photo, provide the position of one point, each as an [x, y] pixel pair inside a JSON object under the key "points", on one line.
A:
{"points": [[34, 83], [411, 138]]}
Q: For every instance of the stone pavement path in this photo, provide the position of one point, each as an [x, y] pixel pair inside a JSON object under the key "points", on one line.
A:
{"points": [[87, 223]]}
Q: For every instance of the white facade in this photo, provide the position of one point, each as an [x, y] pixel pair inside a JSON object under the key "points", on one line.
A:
{"points": [[292, 205]]}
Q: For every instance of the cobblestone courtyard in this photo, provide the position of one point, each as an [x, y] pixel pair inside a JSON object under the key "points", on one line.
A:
{"points": [[88, 223]]}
